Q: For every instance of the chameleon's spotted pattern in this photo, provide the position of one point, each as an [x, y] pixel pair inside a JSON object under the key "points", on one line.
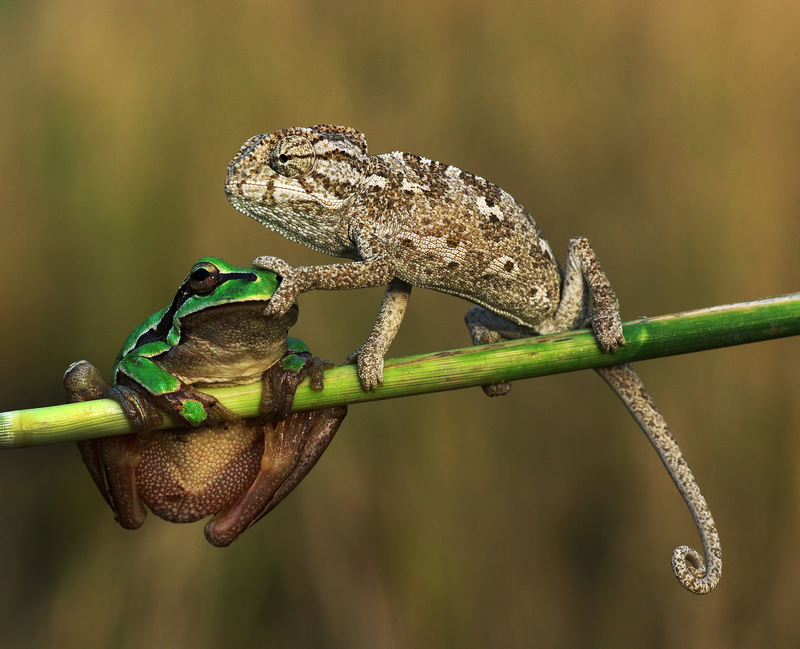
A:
{"points": [[410, 221]]}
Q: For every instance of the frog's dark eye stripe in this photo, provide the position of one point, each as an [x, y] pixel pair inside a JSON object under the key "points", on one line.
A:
{"points": [[204, 275], [250, 277]]}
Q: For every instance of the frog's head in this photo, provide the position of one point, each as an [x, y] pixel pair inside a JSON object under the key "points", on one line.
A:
{"points": [[214, 282], [298, 181], [218, 299]]}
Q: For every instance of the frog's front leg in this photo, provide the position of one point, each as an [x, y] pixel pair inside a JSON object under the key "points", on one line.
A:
{"points": [[280, 381], [144, 387], [291, 449]]}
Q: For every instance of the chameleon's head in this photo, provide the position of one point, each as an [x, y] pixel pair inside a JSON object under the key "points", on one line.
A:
{"points": [[295, 180]]}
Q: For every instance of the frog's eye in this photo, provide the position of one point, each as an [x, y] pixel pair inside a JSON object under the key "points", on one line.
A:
{"points": [[204, 278], [292, 156]]}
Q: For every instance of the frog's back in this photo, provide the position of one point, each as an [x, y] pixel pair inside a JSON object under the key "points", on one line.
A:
{"points": [[147, 328], [457, 233]]}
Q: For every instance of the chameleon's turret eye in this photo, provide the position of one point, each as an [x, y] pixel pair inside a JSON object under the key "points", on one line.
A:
{"points": [[292, 156], [204, 278]]}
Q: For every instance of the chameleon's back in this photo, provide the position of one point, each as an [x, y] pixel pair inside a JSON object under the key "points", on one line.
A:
{"points": [[457, 233]]}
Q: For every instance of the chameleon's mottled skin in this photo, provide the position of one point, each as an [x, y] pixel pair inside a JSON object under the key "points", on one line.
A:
{"points": [[410, 221]]}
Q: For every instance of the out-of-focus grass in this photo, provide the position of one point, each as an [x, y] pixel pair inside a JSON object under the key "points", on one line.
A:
{"points": [[667, 134]]}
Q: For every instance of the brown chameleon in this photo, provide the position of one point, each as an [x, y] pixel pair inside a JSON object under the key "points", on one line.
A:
{"points": [[409, 221]]}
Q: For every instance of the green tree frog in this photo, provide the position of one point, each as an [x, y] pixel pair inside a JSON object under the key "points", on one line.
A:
{"points": [[213, 333]]}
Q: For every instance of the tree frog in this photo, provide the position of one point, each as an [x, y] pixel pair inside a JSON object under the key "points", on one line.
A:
{"points": [[213, 333]]}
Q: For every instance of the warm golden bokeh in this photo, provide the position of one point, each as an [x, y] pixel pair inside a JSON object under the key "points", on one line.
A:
{"points": [[666, 133]]}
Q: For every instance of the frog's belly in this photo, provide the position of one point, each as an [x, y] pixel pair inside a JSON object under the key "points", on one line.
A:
{"points": [[185, 476], [211, 365]]}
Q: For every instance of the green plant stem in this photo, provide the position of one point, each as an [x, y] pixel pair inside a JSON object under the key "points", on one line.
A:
{"points": [[681, 333]]}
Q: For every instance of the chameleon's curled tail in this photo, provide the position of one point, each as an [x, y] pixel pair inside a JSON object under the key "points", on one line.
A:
{"points": [[692, 571]]}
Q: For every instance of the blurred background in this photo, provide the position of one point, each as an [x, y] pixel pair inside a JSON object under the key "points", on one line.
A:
{"points": [[666, 133]]}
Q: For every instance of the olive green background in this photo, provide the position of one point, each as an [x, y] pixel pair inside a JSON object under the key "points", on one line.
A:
{"points": [[666, 133]]}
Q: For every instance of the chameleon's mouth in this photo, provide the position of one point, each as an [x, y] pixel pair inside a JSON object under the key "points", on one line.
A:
{"points": [[249, 196]]}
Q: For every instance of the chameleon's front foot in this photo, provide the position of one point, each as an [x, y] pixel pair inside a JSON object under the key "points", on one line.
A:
{"points": [[287, 291], [370, 366]]}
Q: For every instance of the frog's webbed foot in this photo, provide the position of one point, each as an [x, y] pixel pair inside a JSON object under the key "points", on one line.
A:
{"points": [[138, 408], [317, 372], [193, 408], [291, 449], [288, 289], [694, 573]]}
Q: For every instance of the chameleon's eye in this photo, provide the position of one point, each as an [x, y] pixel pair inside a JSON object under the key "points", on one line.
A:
{"points": [[292, 156], [204, 278]]}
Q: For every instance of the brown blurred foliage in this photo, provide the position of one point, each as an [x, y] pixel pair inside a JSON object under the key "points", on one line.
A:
{"points": [[666, 133]]}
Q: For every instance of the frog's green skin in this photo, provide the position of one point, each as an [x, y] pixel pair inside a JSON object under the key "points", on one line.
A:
{"points": [[213, 333]]}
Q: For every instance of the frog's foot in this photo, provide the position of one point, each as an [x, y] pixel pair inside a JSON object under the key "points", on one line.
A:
{"points": [[288, 290], [280, 382], [195, 408], [138, 408], [291, 449], [120, 455], [84, 382], [607, 327], [370, 366], [317, 372]]}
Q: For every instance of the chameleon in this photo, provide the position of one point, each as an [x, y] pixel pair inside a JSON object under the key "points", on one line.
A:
{"points": [[407, 220]]}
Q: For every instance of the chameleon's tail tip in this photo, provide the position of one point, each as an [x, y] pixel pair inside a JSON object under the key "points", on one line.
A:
{"points": [[695, 575]]}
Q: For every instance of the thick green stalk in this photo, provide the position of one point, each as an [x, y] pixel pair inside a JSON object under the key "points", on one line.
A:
{"points": [[682, 333]]}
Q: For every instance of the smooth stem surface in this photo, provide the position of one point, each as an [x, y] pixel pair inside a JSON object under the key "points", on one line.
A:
{"points": [[669, 335]]}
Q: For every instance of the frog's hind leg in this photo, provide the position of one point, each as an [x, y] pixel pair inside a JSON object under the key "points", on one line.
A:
{"points": [[111, 461], [291, 448], [120, 456]]}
